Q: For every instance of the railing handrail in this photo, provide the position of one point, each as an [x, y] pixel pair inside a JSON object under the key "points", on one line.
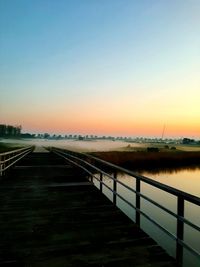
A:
{"points": [[137, 193], [181, 196], [14, 151], [8, 159], [189, 197]]}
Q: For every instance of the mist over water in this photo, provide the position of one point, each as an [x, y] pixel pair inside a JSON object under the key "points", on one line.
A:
{"points": [[186, 179], [76, 145]]}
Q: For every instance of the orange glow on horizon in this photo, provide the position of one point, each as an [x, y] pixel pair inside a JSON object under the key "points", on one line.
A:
{"points": [[105, 121], [112, 128]]}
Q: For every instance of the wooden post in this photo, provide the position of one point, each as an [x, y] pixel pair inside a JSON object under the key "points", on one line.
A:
{"points": [[115, 188], [138, 202], [180, 230]]}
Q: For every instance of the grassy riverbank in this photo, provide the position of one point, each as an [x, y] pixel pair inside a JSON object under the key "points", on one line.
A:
{"points": [[143, 160], [5, 147]]}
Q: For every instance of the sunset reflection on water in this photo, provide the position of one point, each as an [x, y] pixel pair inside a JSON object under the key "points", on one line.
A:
{"points": [[187, 180]]}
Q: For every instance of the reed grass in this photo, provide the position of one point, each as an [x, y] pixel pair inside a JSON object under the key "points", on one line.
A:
{"points": [[5, 147], [151, 160]]}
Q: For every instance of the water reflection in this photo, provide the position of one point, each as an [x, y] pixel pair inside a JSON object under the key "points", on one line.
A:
{"points": [[169, 170], [187, 180]]}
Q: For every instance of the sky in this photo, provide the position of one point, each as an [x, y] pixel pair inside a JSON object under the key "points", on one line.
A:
{"points": [[103, 67]]}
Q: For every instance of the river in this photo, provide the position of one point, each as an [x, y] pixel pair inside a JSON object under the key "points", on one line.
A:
{"points": [[187, 180]]}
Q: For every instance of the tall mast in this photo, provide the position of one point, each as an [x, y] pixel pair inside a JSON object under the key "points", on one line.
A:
{"points": [[163, 131]]}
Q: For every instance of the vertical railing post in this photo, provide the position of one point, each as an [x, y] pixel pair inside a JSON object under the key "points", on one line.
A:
{"points": [[1, 166], [180, 229], [115, 188], [101, 185], [137, 201], [91, 178]]}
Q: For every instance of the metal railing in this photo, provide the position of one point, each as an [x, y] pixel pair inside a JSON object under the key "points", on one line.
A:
{"points": [[8, 159], [93, 166]]}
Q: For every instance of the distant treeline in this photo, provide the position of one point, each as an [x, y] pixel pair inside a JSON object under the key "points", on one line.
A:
{"points": [[10, 131]]}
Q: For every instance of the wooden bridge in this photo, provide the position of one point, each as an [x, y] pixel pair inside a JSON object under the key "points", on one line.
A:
{"points": [[52, 215]]}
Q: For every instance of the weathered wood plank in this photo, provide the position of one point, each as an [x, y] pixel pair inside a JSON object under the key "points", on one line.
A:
{"points": [[44, 222]]}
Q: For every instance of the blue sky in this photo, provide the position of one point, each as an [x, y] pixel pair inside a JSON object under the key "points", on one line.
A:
{"points": [[101, 66]]}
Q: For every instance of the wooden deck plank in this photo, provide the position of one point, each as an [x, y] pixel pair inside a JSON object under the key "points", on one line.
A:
{"points": [[44, 222]]}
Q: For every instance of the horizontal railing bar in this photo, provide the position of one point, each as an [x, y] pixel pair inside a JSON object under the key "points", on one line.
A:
{"points": [[13, 157], [169, 189], [144, 214], [18, 154], [169, 211], [193, 251], [134, 191], [89, 164], [7, 167], [103, 172], [141, 212], [118, 182], [75, 163], [196, 227], [157, 224], [80, 166], [14, 151], [159, 206]]}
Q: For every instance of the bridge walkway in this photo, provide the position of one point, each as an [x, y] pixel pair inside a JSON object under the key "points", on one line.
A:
{"points": [[51, 216]]}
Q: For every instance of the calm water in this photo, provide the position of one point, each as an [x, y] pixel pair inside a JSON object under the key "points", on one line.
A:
{"points": [[185, 180]]}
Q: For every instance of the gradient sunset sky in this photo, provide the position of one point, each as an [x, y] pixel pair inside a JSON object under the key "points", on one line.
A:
{"points": [[104, 67]]}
